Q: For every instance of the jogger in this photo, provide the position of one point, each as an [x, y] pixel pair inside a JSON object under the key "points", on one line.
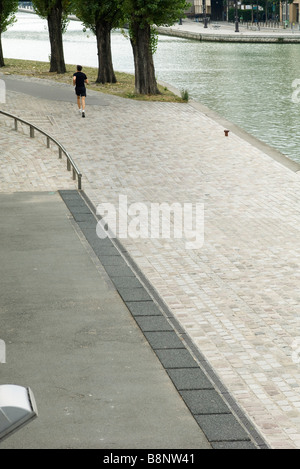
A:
{"points": [[79, 81]]}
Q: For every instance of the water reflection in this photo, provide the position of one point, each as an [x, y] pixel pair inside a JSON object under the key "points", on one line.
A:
{"points": [[248, 84]]}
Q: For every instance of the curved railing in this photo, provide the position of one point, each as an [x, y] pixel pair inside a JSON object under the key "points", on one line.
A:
{"points": [[61, 149]]}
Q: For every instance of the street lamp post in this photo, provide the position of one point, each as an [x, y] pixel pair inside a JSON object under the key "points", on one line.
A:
{"points": [[236, 17], [204, 13]]}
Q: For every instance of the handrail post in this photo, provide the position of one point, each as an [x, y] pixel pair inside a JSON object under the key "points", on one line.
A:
{"points": [[31, 131], [16, 124]]}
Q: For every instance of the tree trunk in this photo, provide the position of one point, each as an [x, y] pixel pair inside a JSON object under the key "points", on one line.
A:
{"points": [[145, 81], [106, 72], [2, 64], [57, 61]]}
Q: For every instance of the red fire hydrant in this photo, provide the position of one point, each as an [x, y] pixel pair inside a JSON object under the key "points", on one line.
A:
{"points": [[226, 133]]}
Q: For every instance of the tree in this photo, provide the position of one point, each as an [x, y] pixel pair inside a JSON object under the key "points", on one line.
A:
{"points": [[56, 12], [8, 9], [142, 16], [101, 16]]}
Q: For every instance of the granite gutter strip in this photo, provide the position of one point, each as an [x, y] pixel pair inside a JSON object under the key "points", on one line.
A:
{"points": [[217, 414]]}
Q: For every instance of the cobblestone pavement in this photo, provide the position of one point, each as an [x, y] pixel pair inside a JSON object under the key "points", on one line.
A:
{"points": [[26, 166], [237, 296]]}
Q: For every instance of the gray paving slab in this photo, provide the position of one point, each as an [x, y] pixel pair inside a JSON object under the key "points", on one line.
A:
{"points": [[163, 339], [189, 378], [176, 358], [71, 338], [134, 294], [205, 401], [222, 427], [119, 271], [126, 282], [141, 308], [153, 323]]}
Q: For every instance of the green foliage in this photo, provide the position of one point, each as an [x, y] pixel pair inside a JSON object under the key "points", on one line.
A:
{"points": [[185, 95], [8, 8], [44, 7], [156, 12], [245, 14], [93, 11], [153, 40], [142, 16]]}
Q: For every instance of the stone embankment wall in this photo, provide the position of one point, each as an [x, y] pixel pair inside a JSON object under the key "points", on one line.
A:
{"points": [[234, 37]]}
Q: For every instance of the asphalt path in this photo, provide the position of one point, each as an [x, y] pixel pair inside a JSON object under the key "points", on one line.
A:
{"points": [[41, 89], [71, 338]]}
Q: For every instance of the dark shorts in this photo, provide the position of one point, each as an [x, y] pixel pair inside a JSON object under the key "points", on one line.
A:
{"points": [[80, 91]]}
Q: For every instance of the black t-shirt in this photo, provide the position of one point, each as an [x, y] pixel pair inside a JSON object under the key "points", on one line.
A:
{"points": [[80, 77]]}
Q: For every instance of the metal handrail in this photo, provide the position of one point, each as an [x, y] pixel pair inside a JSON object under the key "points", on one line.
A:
{"points": [[61, 148]]}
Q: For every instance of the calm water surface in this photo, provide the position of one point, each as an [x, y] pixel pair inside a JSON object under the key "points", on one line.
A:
{"points": [[248, 84]]}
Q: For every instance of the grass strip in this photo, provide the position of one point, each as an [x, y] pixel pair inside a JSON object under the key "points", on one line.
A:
{"points": [[123, 88]]}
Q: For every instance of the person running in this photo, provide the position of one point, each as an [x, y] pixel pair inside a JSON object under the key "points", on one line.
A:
{"points": [[79, 81]]}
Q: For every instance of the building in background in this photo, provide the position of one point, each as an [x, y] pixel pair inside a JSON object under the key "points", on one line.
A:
{"points": [[290, 11], [217, 10], [214, 9]]}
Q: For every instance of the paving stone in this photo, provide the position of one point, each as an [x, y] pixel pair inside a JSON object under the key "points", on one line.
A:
{"points": [[143, 308], [164, 340], [99, 244], [106, 250], [134, 294], [233, 445], [189, 378], [119, 270], [83, 217], [153, 323], [222, 428], [176, 358], [204, 401], [87, 225], [111, 260], [126, 282], [77, 205]]}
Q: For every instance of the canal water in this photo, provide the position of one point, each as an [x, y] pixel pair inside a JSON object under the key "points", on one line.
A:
{"points": [[248, 84]]}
